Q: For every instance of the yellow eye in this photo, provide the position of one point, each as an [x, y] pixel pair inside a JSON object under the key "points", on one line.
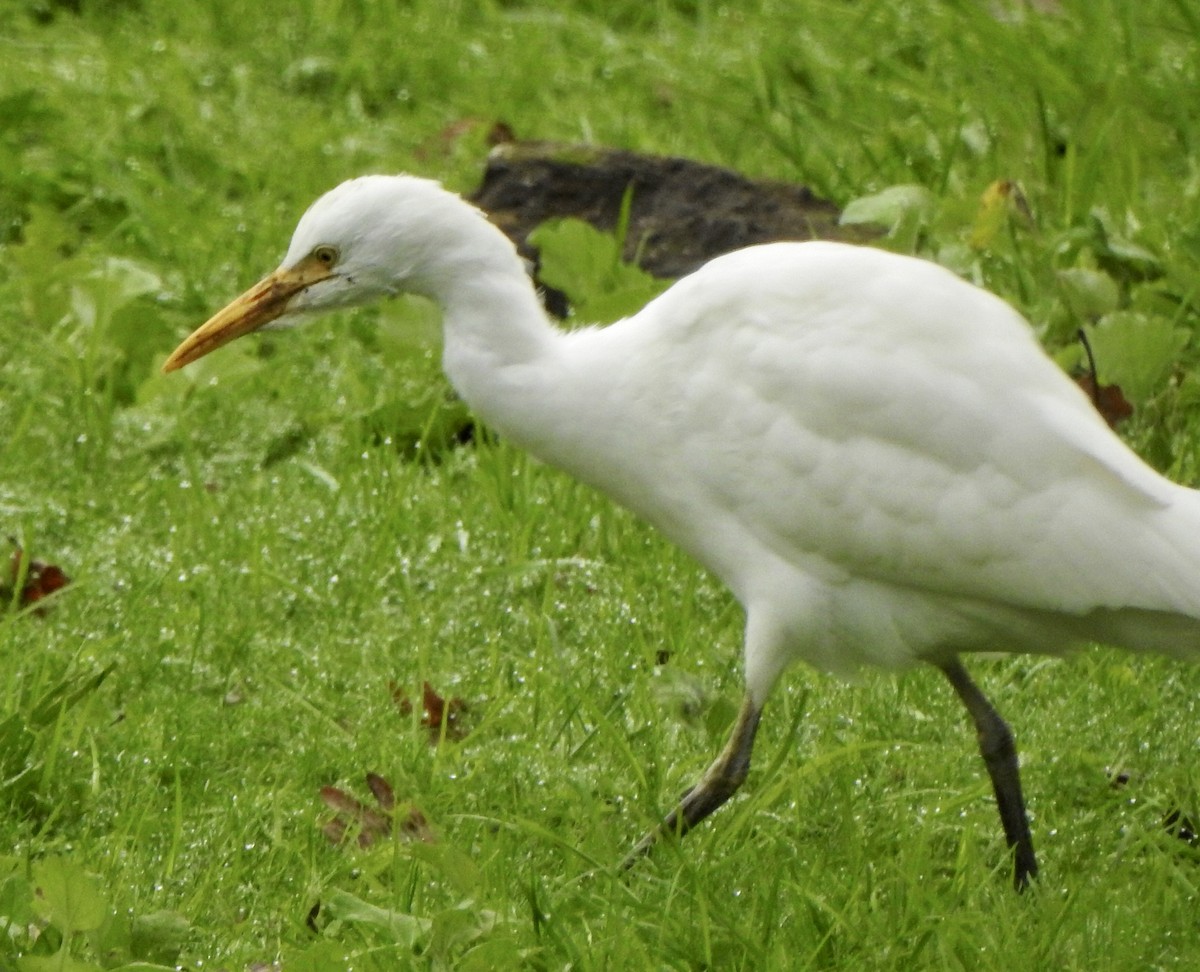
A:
{"points": [[328, 255]]}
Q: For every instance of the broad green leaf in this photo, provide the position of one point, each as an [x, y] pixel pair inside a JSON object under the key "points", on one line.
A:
{"points": [[451, 865], [323, 956], [893, 208], [68, 895], [112, 284], [586, 265], [1136, 352], [456, 928], [60, 961], [399, 927], [496, 952], [1119, 255], [575, 257], [159, 936], [1089, 294], [16, 902]]}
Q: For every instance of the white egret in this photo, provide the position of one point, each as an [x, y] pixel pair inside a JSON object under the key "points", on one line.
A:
{"points": [[875, 456]]}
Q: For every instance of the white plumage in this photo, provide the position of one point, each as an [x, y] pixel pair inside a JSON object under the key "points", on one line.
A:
{"points": [[874, 455]]}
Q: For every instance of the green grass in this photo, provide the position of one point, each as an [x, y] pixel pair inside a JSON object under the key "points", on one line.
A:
{"points": [[260, 545]]}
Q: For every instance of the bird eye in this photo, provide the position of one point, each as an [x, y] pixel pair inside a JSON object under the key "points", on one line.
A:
{"points": [[327, 255]]}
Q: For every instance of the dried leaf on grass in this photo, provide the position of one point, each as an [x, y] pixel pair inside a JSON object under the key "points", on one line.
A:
{"points": [[29, 581], [368, 825], [441, 716]]}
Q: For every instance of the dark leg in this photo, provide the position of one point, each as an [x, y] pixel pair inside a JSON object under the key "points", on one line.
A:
{"points": [[718, 784], [1000, 755]]}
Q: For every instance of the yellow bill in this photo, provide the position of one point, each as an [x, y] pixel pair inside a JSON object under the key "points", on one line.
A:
{"points": [[263, 303]]}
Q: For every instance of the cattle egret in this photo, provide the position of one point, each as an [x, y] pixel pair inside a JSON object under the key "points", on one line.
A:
{"points": [[875, 456]]}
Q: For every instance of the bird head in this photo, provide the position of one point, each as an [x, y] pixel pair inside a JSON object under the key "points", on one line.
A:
{"points": [[371, 237]]}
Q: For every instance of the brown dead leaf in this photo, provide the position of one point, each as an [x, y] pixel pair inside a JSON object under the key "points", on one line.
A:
{"points": [[382, 790], [1109, 400], [414, 826], [435, 711], [353, 817], [501, 133], [40, 580]]}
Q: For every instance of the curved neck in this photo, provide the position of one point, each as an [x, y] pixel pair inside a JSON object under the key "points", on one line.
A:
{"points": [[499, 343], [493, 314]]}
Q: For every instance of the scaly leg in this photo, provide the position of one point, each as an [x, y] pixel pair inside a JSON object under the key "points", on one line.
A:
{"points": [[1000, 756], [718, 784]]}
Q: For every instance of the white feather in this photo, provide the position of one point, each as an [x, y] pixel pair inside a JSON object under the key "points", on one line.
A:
{"points": [[874, 455]]}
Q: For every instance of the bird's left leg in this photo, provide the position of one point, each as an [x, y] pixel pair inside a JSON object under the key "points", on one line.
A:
{"points": [[718, 784], [1000, 755]]}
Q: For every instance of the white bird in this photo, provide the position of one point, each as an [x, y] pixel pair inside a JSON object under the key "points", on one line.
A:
{"points": [[875, 456]]}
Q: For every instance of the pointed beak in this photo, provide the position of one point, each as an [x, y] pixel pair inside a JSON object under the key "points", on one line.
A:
{"points": [[266, 301]]}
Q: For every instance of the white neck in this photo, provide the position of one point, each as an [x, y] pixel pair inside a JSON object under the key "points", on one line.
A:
{"points": [[500, 348]]}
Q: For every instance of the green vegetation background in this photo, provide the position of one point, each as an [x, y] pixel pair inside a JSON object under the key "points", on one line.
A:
{"points": [[262, 545]]}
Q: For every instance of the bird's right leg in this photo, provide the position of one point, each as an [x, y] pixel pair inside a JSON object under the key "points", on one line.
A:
{"points": [[1000, 755], [718, 784]]}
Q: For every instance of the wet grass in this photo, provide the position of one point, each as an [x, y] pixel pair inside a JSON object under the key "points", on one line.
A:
{"points": [[262, 545]]}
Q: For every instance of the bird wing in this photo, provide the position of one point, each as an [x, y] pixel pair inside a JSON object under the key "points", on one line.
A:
{"points": [[873, 416]]}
